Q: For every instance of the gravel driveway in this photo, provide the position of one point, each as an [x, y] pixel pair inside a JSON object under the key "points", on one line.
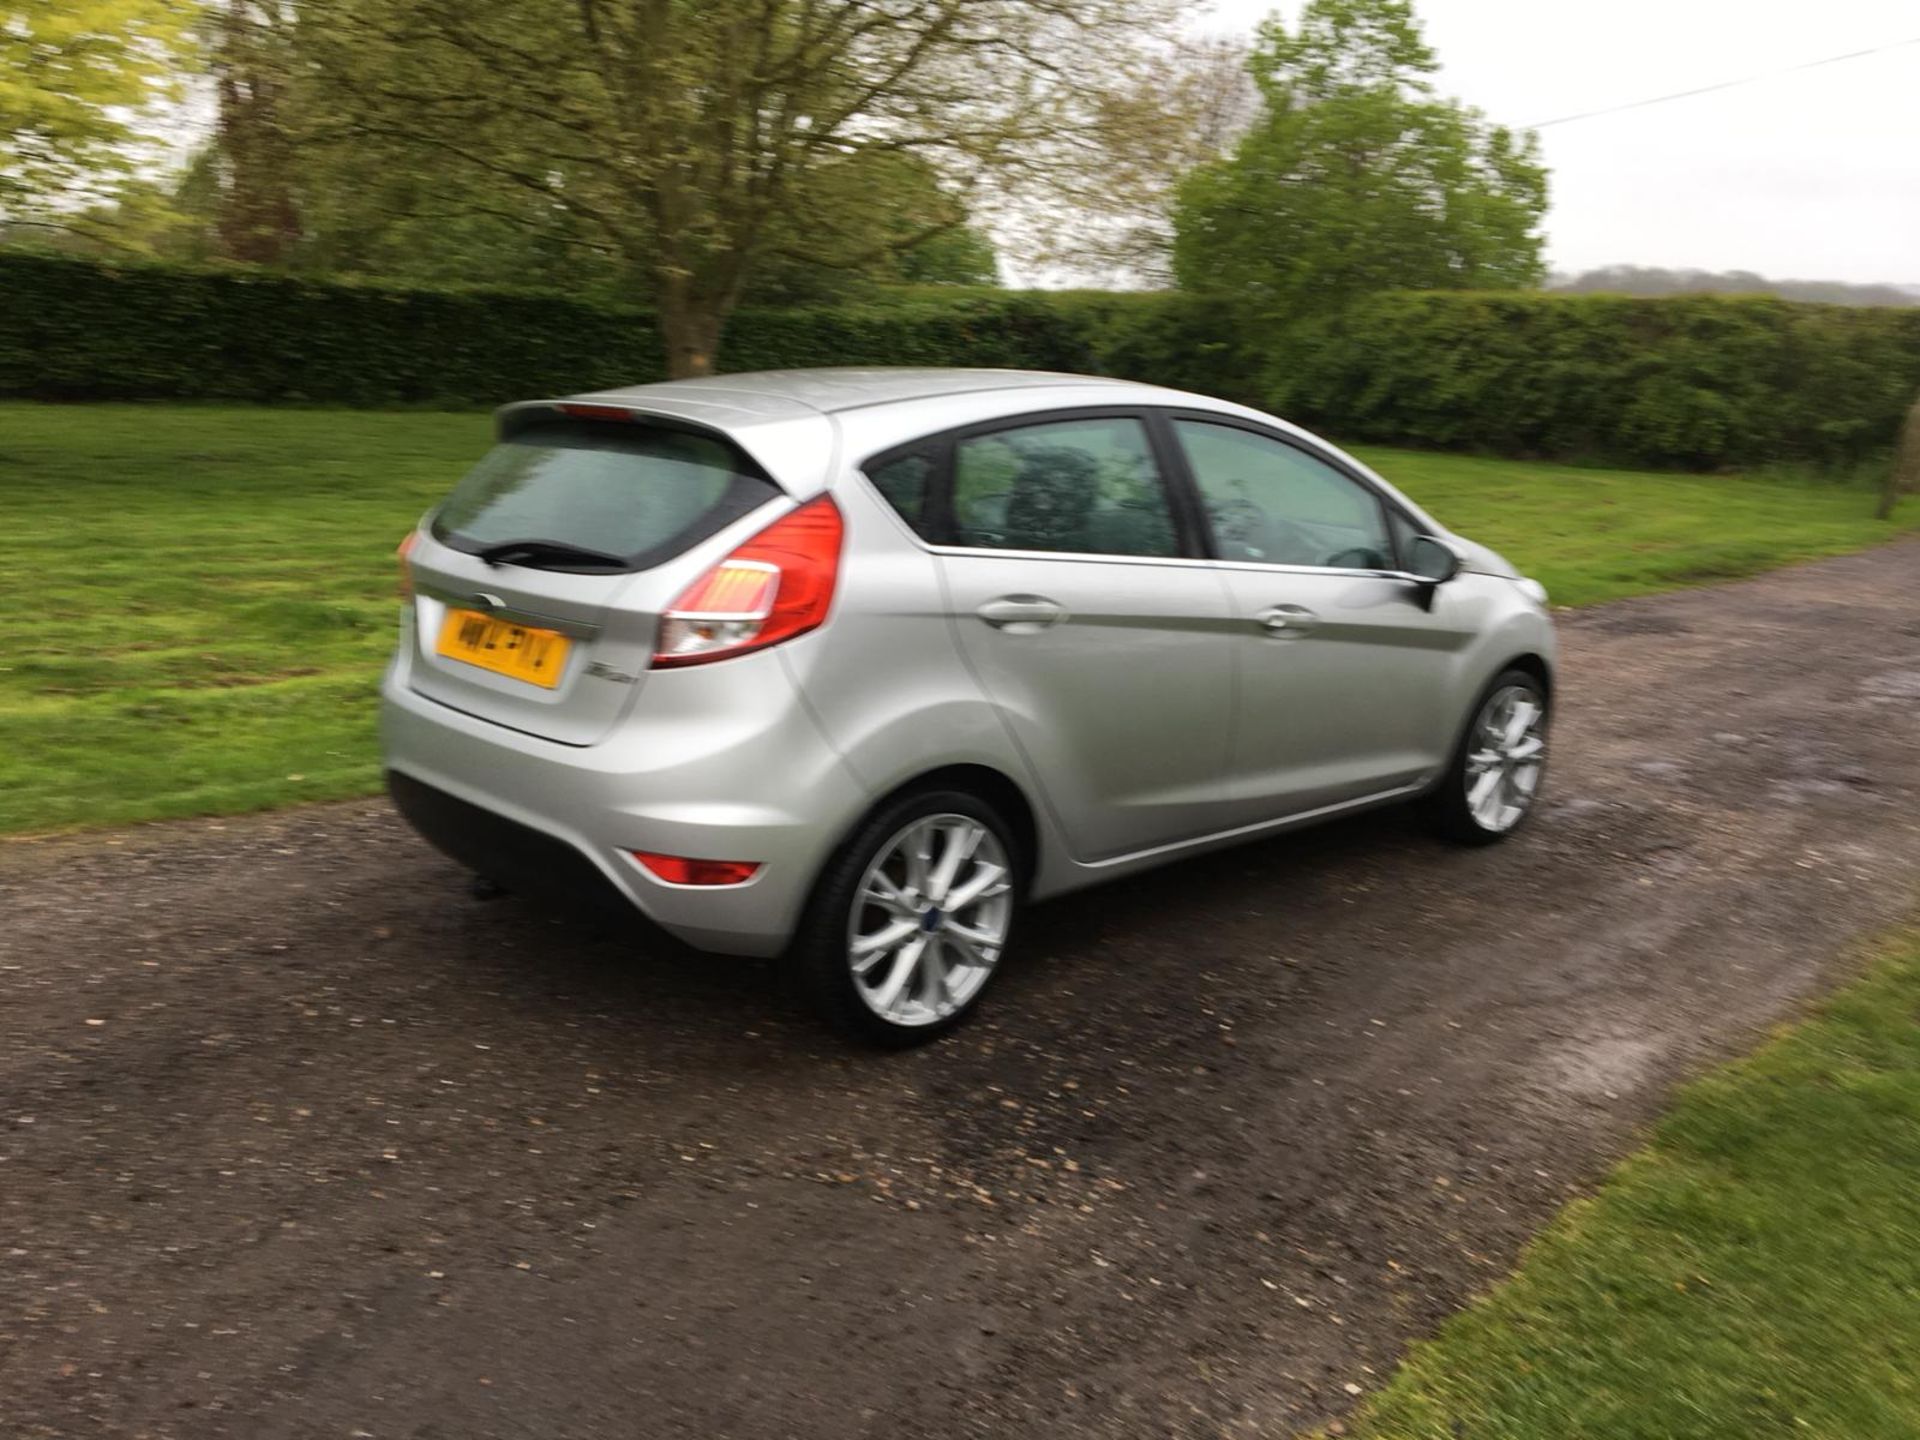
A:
{"points": [[296, 1139]]}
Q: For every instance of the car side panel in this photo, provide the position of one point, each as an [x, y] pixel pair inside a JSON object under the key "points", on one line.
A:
{"points": [[888, 684], [1341, 683], [1122, 706], [1511, 625]]}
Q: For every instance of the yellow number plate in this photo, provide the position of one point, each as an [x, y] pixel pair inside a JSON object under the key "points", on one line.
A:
{"points": [[536, 656]]}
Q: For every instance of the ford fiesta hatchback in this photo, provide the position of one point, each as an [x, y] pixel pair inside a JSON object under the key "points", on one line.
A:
{"points": [[849, 666]]}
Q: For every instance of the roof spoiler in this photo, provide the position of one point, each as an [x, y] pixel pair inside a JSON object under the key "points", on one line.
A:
{"points": [[795, 454]]}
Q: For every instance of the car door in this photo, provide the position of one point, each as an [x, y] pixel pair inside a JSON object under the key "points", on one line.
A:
{"points": [[1085, 611], [1341, 657]]}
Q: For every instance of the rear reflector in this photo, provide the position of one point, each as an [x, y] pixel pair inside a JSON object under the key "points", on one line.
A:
{"points": [[777, 585], [678, 870]]}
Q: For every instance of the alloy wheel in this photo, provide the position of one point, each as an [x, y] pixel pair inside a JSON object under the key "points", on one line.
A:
{"points": [[1509, 747], [930, 919]]}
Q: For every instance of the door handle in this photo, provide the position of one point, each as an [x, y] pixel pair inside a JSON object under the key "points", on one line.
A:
{"points": [[1287, 619], [1022, 614]]}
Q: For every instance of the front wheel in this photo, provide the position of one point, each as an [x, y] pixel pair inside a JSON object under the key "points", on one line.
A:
{"points": [[1494, 780], [910, 919]]}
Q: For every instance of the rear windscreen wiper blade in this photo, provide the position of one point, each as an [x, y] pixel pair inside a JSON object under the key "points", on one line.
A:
{"points": [[533, 552]]}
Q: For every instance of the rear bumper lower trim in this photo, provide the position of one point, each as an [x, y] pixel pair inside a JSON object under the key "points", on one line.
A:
{"points": [[518, 856]]}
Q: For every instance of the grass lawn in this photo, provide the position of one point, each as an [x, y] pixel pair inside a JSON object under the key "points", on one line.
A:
{"points": [[1591, 535], [201, 602], [201, 598], [1755, 1271]]}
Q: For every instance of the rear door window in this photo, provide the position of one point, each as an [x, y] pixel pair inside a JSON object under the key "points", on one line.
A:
{"points": [[1084, 486], [639, 493]]}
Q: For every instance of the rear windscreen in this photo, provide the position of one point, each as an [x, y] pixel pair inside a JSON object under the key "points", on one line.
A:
{"points": [[643, 493]]}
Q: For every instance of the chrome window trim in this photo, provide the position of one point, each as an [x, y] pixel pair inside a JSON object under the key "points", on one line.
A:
{"points": [[1182, 507], [1262, 567], [1177, 481], [1184, 561]]}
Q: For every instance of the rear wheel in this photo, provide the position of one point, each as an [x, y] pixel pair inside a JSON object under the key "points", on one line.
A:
{"points": [[1494, 780], [907, 925]]}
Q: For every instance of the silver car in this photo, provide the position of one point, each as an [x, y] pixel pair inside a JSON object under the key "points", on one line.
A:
{"points": [[849, 666]]}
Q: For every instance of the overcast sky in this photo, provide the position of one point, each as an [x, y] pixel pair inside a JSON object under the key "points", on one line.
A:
{"points": [[1813, 176]]}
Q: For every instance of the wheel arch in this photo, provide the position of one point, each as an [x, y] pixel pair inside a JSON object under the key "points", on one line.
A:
{"points": [[817, 954], [1528, 661], [994, 786], [1533, 664]]}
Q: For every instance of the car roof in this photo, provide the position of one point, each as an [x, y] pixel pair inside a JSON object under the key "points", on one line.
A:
{"points": [[788, 420], [766, 393]]}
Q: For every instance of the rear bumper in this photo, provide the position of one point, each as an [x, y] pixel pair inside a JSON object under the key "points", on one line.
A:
{"points": [[550, 817], [516, 855]]}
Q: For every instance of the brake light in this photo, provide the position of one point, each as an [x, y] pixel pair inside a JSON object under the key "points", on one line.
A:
{"points": [[597, 412], [678, 870], [402, 554], [777, 585]]}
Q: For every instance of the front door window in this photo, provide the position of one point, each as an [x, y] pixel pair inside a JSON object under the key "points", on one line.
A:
{"points": [[1273, 504]]}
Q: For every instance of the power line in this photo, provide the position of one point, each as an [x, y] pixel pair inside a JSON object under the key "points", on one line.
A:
{"points": [[1726, 84]]}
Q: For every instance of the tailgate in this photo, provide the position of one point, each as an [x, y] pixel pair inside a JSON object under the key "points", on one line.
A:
{"points": [[540, 580]]}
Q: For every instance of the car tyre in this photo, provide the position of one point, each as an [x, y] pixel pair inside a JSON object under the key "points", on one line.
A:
{"points": [[1492, 784], [883, 953]]}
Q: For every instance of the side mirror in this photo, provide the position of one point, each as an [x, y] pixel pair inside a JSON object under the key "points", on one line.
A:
{"points": [[1433, 560]]}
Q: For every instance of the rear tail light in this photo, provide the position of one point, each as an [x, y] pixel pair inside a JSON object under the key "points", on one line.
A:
{"points": [[406, 570], [678, 870], [777, 585]]}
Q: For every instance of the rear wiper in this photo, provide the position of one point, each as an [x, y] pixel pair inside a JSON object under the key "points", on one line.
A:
{"points": [[532, 552]]}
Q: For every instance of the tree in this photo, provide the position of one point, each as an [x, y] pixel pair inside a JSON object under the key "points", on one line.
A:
{"points": [[392, 207], [254, 213], [75, 76], [697, 140], [1357, 178], [871, 218], [1188, 105], [962, 256]]}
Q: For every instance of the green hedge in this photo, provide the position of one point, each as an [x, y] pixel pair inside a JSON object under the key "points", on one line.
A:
{"points": [[78, 330], [1693, 381], [1190, 342]]}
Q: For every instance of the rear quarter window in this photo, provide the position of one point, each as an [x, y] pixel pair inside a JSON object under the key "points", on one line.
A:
{"points": [[642, 492], [903, 484]]}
